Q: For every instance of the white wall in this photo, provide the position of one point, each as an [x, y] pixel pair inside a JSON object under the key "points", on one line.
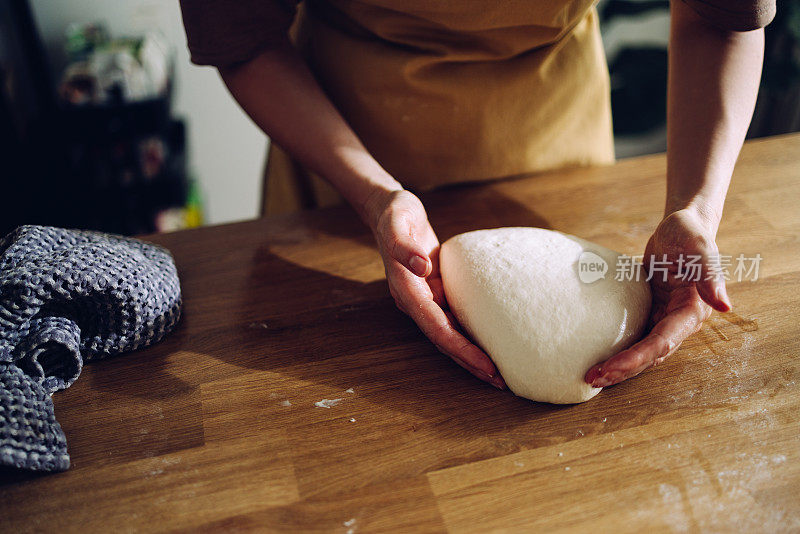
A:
{"points": [[226, 150]]}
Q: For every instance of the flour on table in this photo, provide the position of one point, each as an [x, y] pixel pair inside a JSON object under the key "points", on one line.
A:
{"points": [[327, 403]]}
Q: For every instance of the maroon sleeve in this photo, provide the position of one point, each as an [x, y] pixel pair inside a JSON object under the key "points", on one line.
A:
{"points": [[736, 15], [223, 32]]}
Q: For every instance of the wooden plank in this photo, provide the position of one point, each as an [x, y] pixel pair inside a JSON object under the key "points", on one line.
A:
{"points": [[217, 427]]}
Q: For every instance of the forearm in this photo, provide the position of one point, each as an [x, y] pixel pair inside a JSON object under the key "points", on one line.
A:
{"points": [[277, 90], [713, 81]]}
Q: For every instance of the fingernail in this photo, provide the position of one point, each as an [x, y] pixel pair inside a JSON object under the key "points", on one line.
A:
{"points": [[593, 374], [609, 379], [486, 377], [600, 382], [419, 265], [723, 296], [488, 370], [498, 382]]}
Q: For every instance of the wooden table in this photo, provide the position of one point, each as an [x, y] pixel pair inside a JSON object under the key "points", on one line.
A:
{"points": [[217, 427]]}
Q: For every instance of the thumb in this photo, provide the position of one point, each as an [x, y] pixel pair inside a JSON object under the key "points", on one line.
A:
{"points": [[403, 247], [711, 285]]}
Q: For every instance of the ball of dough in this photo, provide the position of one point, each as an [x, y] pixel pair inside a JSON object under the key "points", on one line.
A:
{"points": [[544, 305]]}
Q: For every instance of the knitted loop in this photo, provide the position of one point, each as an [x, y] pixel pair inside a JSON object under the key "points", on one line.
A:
{"points": [[50, 354]]}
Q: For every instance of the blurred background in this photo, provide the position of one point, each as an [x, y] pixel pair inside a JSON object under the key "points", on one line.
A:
{"points": [[105, 124]]}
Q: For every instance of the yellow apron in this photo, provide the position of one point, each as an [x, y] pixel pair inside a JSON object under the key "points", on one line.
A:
{"points": [[452, 91]]}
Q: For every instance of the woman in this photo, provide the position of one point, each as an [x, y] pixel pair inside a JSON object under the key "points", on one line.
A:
{"points": [[375, 95]]}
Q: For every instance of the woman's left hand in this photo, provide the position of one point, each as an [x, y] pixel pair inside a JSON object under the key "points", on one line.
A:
{"points": [[682, 297]]}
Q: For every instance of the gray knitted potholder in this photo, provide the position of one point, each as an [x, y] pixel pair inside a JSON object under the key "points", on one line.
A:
{"points": [[68, 296]]}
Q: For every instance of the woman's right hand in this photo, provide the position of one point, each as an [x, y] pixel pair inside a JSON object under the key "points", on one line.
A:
{"points": [[410, 251], [281, 95]]}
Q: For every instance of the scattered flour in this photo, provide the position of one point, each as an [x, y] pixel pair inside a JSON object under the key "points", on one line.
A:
{"points": [[327, 403]]}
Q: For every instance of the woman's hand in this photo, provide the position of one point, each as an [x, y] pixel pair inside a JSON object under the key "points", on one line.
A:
{"points": [[681, 299], [713, 82], [410, 252]]}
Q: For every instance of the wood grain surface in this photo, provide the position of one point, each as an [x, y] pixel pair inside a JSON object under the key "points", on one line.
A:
{"points": [[216, 427]]}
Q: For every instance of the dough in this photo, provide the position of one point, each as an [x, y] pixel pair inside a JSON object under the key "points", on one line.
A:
{"points": [[543, 307]]}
